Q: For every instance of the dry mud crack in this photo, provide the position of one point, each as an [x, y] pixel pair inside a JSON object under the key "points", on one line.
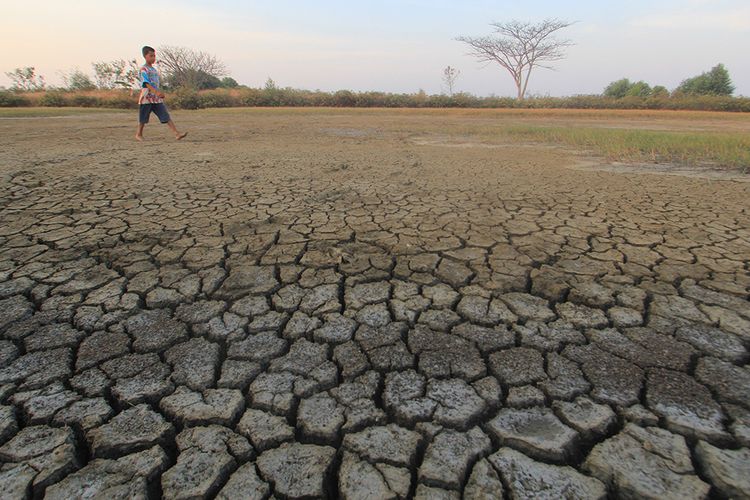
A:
{"points": [[285, 307]]}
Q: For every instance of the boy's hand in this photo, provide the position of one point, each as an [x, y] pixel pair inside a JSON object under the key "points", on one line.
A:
{"points": [[161, 94]]}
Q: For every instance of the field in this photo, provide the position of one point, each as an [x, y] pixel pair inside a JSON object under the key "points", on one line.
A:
{"points": [[421, 303], [703, 141]]}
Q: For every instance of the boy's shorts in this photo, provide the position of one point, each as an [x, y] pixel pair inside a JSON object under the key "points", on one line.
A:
{"points": [[159, 110]]}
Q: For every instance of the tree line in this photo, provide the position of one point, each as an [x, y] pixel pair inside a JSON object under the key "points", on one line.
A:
{"points": [[181, 67], [517, 47], [714, 82]]}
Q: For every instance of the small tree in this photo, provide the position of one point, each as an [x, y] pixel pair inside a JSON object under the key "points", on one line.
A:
{"points": [[77, 80], [185, 67], [624, 87], [519, 47], [450, 75], [229, 83], [196, 80], [618, 89], [640, 89], [107, 73], [116, 74], [714, 82], [26, 79]]}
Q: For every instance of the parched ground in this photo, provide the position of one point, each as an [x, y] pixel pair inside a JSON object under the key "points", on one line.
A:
{"points": [[363, 304]]}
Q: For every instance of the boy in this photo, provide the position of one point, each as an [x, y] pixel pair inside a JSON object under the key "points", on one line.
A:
{"points": [[151, 99]]}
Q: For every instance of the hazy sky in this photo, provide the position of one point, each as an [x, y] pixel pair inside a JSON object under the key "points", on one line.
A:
{"points": [[390, 45]]}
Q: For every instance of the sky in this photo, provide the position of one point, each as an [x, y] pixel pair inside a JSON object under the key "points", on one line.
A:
{"points": [[386, 45]]}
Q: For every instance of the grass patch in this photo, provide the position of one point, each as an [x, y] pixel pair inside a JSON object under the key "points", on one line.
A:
{"points": [[42, 112], [574, 114], [720, 149]]}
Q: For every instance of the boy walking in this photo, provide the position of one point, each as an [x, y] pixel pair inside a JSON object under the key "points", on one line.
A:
{"points": [[151, 99]]}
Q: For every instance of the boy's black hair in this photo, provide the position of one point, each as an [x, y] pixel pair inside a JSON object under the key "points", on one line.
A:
{"points": [[147, 50]]}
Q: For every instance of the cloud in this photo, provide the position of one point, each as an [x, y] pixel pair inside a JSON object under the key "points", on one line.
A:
{"points": [[698, 16]]}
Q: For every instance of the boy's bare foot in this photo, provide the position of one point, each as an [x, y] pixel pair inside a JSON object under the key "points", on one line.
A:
{"points": [[181, 136], [139, 138]]}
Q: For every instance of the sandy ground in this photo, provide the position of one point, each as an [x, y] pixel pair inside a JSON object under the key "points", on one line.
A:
{"points": [[325, 303]]}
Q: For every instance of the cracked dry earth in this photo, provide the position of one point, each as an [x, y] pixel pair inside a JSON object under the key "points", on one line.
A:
{"points": [[305, 304]]}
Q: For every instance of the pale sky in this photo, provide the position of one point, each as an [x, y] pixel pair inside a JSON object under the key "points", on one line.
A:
{"points": [[388, 45]]}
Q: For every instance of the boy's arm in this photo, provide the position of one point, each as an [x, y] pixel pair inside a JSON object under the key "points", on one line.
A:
{"points": [[154, 90], [147, 83]]}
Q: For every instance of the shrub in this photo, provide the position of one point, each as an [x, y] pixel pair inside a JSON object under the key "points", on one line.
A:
{"points": [[85, 101], [229, 83], [53, 99], [185, 99], [215, 99], [251, 97], [369, 99], [120, 100], [463, 100], [275, 96], [344, 99], [12, 99]]}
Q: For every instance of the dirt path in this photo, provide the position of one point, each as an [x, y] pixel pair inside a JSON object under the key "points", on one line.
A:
{"points": [[330, 303]]}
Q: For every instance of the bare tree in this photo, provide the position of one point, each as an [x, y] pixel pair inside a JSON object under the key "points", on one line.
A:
{"points": [[450, 75], [519, 47], [185, 67]]}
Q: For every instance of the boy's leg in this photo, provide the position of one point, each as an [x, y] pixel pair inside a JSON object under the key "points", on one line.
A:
{"points": [[177, 134], [163, 114], [144, 110], [139, 132]]}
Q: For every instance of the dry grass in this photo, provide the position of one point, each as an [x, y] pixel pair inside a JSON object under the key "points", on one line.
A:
{"points": [[681, 137], [36, 97], [42, 112], [602, 114], [723, 150]]}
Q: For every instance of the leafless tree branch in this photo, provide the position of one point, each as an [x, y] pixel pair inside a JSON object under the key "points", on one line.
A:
{"points": [[184, 66], [519, 47]]}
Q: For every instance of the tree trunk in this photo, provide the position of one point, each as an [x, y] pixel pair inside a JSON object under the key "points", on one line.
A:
{"points": [[519, 86]]}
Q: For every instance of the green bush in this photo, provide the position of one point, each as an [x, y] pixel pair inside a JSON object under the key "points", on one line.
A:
{"points": [[185, 99], [344, 99], [12, 99], [216, 99], [463, 100], [53, 99], [714, 82], [619, 88], [122, 100], [229, 83], [285, 97], [85, 101], [274, 96], [251, 97], [640, 89]]}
